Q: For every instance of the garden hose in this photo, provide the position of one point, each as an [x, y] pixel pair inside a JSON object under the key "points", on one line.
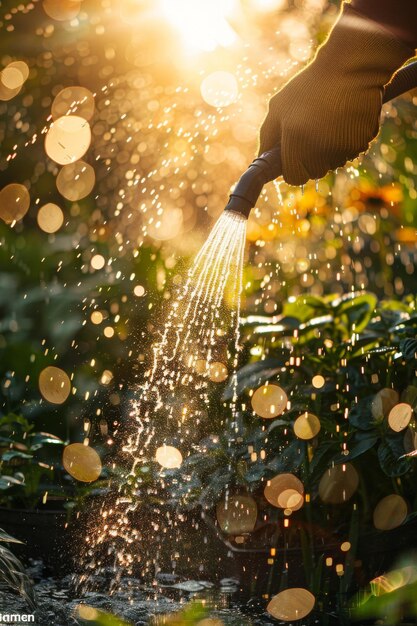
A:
{"points": [[267, 167]]}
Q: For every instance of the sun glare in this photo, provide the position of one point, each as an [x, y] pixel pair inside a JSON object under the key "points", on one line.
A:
{"points": [[203, 25]]}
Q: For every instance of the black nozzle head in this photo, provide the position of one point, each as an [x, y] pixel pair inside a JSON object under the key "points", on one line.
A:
{"points": [[239, 205], [248, 189]]}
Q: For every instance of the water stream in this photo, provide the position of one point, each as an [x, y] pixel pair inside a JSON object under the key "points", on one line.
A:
{"points": [[198, 346]]}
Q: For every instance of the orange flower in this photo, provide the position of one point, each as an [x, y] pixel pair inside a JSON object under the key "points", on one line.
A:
{"points": [[368, 197]]}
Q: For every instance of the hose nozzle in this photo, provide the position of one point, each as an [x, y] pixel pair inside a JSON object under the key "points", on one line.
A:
{"points": [[247, 191]]}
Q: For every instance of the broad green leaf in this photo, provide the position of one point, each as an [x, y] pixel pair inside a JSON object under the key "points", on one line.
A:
{"points": [[357, 310], [363, 442], [322, 455], [289, 459], [14, 454], [45, 438], [305, 307], [360, 415], [408, 347], [255, 472], [389, 452], [254, 374], [276, 424], [404, 324]]}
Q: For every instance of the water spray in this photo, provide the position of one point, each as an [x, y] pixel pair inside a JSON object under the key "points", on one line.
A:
{"points": [[267, 166]]}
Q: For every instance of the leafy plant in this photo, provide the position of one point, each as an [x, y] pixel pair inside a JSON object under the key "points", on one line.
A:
{"points": [[27, 466], [360, 348], [12, 572]]}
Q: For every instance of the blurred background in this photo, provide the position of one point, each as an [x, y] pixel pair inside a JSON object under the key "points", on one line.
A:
{"points": [[123, 127]]}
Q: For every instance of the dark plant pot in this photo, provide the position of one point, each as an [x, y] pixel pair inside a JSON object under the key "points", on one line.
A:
{"points": [[45, 534]]}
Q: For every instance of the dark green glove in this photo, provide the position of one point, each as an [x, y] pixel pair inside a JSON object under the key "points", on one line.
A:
{"points": [[329, 112]]}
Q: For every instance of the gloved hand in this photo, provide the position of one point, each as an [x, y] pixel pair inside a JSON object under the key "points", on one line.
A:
{"points": [[329, 112]]}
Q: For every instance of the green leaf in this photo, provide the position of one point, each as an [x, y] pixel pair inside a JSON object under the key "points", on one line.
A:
{"points": [[217, 484], [314, 323], [356, 310], [409, 396], [360, 415], [408, 347], [40, 439], [305, 307], [8, 481], [363, 442], [404, 324], [288, 459], [6, 538], [14, 454], [13, 574], [254, 374], [389, 452], [276, 424], [255, 472], [322, 457]]}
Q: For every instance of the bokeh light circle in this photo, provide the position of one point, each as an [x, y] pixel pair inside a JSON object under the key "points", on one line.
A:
{"points": [[237, 514], [14, 202], [290, 499], [390, 512], [168, 457], [400, 416], [12, 78], [76, 180], [54, 384], [73, 101], [282, 490], [307, 426], [68, 139], [383, 402], [338, 483], [98, 262], [139, 291], [97, 317], [61, 10], [50, 218], [82, 462], [217, 372], [167, 226], [318, 381], [291, 604], [269, 401]]}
